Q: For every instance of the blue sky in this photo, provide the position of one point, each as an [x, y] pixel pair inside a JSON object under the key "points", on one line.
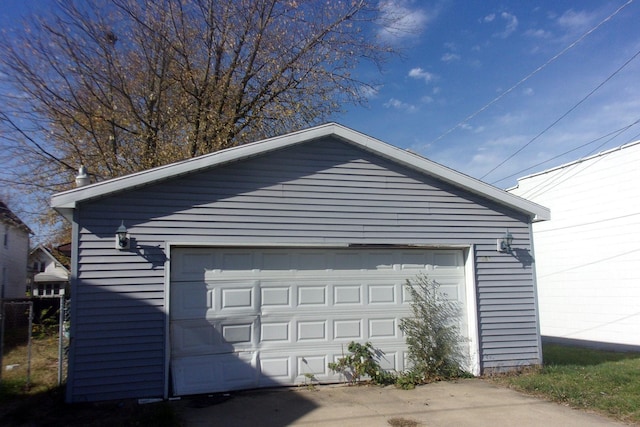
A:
{"points": [[514, 67]]}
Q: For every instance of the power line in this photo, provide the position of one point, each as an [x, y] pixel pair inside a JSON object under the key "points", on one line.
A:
{"points": [[615, 134], [552, 59], [561, 176], [586, 224], [564, 115]]}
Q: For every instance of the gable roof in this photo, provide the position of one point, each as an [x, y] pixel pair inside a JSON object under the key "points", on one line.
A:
{"points": [[7, 216], [50, 255], [66, 201]]}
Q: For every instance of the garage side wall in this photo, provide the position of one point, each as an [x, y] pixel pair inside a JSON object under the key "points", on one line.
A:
{"points": [[323, 192]]}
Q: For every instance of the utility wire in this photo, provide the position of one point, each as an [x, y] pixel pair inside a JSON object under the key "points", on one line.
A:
{"points": [[616, 133], [552, 59], [555, 122], [562, 175]]}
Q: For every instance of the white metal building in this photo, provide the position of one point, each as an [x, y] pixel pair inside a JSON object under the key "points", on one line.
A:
{"points": [[587, 255]]}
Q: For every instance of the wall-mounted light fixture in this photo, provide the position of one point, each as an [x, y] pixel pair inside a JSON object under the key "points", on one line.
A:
{"points": [[122, 238], [504, 243]]}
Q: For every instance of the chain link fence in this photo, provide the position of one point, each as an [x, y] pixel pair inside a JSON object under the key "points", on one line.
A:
{"points": [[34, 340]]}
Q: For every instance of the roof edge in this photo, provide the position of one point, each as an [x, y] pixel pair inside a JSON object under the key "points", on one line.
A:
{"points": [[65, 202], [578, 161]]}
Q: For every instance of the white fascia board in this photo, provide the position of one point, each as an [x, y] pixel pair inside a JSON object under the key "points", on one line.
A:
{"points": [[66, 201]]}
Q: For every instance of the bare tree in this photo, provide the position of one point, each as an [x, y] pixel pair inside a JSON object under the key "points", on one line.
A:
{"points": [[125, 85]]}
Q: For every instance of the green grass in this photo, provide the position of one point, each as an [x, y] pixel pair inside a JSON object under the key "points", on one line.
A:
{"points": [[601, 381]]}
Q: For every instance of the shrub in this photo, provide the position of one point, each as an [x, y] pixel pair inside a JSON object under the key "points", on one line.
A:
{"points": [[433, 337], [362, 361]]}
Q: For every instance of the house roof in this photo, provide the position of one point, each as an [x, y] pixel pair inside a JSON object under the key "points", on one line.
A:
{"points": [[50, 255], [66, 201], [7, 216]]}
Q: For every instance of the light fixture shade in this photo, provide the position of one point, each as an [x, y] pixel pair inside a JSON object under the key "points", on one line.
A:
{"points": [[503, 245], [122, 237], [508, 237]]}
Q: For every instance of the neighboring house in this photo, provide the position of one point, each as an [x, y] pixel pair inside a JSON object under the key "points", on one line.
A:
{"points": [[587, 255], [14, 251], [49, 276], [257, 265]]}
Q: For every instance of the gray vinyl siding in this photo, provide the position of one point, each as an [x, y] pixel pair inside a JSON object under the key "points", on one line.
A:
{"points": [[321, 192]]}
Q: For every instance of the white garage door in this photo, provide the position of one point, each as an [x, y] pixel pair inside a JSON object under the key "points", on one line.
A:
{"points": [[245, 318]]}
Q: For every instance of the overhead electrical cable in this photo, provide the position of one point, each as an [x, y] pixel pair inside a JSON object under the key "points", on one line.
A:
{"points": [[615, 134], [563, 175], [555, 122], [534, 72]]}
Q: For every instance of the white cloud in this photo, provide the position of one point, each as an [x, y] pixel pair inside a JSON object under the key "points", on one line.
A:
{"points": [[449, 57], [489, 18], [573, 20], [528, 91], [511, 25], [419, 73], [399, 105], [538, 33], [368, 92], [399, 19]]}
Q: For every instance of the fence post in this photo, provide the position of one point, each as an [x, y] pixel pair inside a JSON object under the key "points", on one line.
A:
{"points": [[29, 345], [61, 336], [1, 335]]}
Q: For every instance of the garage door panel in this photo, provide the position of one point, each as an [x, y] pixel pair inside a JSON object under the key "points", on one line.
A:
{"points": [[382, 294], [213, 336], [347, 329], [275, 370], [239, 261], [312, 364], [314, 295], [190, 264], [191, 300], [275, 332], [213, 373], [237, 298], [382, 328], [275, 296], [311, 330], [447, 260], [194, 337], [278, 316], [347, 294]]}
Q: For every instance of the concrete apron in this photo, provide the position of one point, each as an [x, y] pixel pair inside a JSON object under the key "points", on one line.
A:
{"points": [[471, 402]]}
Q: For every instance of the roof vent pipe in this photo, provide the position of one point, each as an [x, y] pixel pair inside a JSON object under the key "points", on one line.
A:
{"points": [[83, 178]]}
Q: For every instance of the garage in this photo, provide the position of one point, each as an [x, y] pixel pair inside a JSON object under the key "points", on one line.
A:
{"points": [[246, 318], [256, 266]]}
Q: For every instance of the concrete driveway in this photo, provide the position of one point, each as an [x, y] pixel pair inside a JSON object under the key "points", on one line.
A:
{"points": [[472, 402]]}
